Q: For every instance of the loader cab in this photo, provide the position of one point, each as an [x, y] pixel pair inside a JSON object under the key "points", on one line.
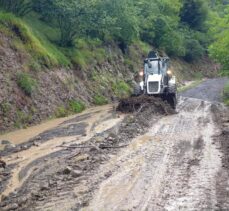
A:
{"points": [[155, 66]]}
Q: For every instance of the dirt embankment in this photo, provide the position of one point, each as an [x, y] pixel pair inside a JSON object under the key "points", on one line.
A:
{"points": [[55, 87]]}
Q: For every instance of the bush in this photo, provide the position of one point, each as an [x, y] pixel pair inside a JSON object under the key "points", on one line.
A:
{"points": [[121, 89], [194, 50], [22, 119], [19, 7], [61, 111], [99, 100], [26, 83], [76, 106], [5, 107]]}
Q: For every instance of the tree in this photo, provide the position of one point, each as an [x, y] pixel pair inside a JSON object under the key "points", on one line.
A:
{"points": [[126, 25], [72, 17], [219, 29], [18, 7], [194, 14]]}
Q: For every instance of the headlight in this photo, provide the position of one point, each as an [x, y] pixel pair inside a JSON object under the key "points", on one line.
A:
{"points": [[169, 72], [141, 73]]}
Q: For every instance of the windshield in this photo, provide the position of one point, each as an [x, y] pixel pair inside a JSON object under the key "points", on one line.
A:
{"points": [[152, 67]]}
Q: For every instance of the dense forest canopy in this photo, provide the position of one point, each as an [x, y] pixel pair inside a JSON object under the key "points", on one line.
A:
{"points": [[184, 28]]}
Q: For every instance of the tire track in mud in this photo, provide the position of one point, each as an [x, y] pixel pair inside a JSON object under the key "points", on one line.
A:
{"points": [[175, 168]]}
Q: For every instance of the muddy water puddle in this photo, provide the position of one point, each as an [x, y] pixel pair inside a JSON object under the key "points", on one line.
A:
{"points": [[23, 135], [96, 120]]}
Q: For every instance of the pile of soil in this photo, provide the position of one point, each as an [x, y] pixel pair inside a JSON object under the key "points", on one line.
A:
{"points": [[143, 102]]}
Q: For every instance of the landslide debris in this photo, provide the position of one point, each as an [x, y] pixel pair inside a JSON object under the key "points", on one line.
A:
{"points": [[142, 103]]}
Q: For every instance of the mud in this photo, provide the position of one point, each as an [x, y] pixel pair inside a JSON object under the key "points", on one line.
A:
{"points": [[221, 117], [141, 103], [150, 159], [74, 164]]}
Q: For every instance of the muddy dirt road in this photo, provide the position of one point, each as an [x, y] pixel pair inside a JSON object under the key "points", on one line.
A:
{"points": [[101, 160]]}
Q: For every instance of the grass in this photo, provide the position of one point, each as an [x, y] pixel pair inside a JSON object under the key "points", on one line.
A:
{"points": [[76, 106], [121, 89], [226, 94], [28, 36], [26, 83], [198, 76], [22, 119], [48, 37], [5, 107], [61, 111], [73, 107], [86, 52], [100, 100], [145, 48]]}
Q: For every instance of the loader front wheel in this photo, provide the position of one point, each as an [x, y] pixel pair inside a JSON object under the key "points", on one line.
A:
{"points": [[137, 90], [172, 100]]}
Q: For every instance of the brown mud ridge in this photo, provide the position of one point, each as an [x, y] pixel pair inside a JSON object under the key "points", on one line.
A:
{"points": [[68, 177], [141, 103], [222, 119]]}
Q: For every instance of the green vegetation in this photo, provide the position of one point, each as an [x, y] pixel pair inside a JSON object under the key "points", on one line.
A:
{"points": [[61, 111], [53, 33], [26, 83], [63, 33], [99, 100], [19, 7], [23, 119], [219, 30], [121, 89], [5, 108], [73, 107], [226, 94], [76, 106]]}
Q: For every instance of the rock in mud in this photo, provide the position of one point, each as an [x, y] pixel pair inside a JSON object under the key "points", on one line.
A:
{"points": [[9, 207], [5, 142], [44, 186], [2, 163], [9, 147], [36, 144], [67, 170], [22, 200], [76, 173]]}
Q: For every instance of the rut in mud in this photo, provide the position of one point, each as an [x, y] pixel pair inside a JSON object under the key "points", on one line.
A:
{"points": [[147, 160]]}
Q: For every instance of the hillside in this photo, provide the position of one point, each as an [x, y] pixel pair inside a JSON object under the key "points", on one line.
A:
{"points": [[43, 75], [38, 81]]}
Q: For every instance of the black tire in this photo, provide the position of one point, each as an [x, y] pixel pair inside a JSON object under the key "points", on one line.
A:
{"points": [[172, 100], [137, 90]]}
